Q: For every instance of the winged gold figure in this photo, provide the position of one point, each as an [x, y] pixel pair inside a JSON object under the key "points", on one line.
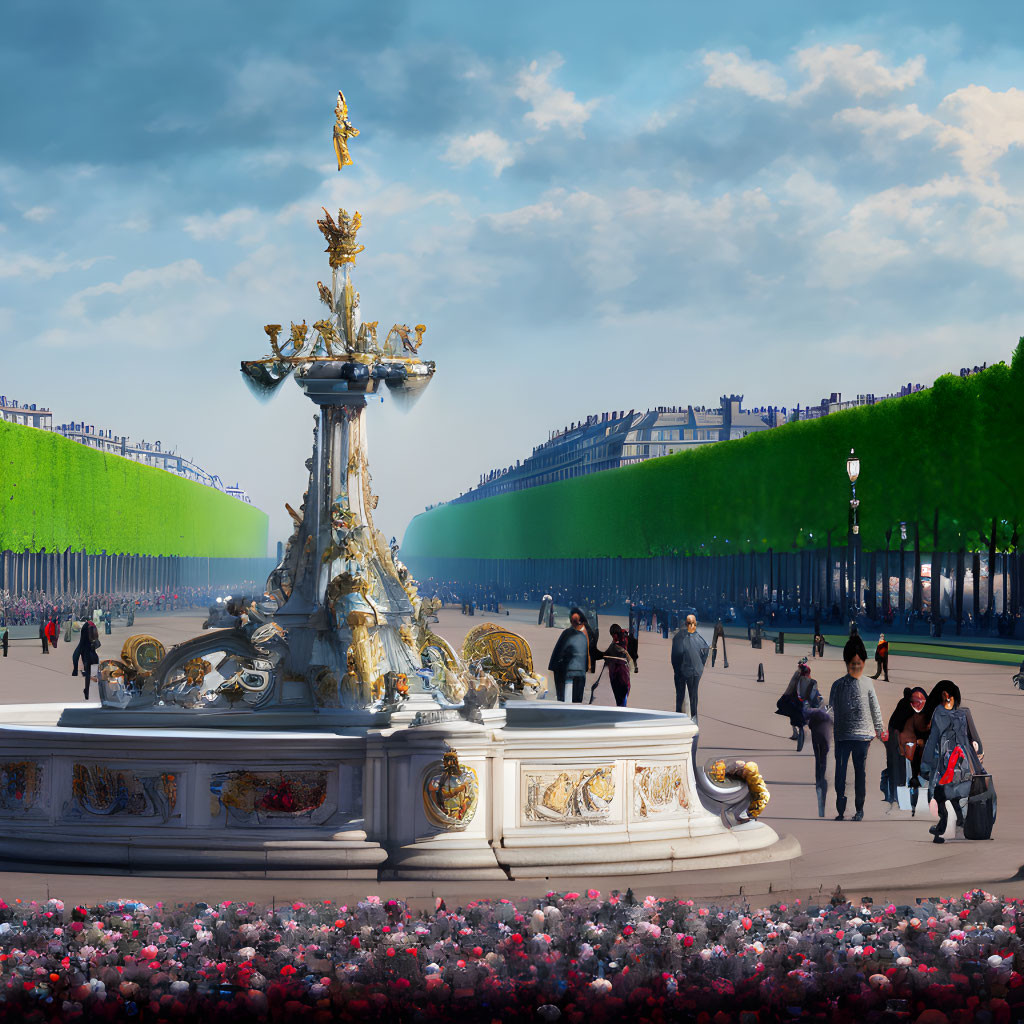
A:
{"points": [[343, 131]]}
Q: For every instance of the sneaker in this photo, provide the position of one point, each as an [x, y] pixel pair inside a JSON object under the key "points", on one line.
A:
{"points": [[937, 830], [840, 817], [859, 816], [938, 839]]}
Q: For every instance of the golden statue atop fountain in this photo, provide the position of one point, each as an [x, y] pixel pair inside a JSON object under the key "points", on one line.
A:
{"points": [[340, 236], [343, 131]]}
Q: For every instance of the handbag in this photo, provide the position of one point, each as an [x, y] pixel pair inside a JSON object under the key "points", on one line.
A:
{"points": [[788, 705]]}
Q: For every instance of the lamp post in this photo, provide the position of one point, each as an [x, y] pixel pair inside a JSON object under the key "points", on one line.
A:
{"points": [[853, 471]]}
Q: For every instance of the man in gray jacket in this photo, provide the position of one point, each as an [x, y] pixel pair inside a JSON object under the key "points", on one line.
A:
{"points": [[570, 660], [858, 719], [689, 653]]}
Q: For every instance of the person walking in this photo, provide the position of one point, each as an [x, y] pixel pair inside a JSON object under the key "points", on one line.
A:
{"points": [[591, 632], [894, 775], [570, 660], [616, 659], [913, 737], [85, 652], [800, 695], [882, 658], [689, 653], [952, 755], [719, 634], [51, 632], [818, 647], [819, 721], [545, 608], [4, 640], [43, 637], [857, 720]]}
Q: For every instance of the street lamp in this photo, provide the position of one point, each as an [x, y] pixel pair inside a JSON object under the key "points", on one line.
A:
{"points": [[853, 471]]}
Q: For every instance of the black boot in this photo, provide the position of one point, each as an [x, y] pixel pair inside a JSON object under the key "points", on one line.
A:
{"points": [[800, 742], [822, 794]]}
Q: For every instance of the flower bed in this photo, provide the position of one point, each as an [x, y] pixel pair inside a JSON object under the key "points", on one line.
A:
{"points": [[577, 957]]}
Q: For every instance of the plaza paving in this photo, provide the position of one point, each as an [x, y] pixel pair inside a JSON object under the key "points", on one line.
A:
{"points": [[885, 855]]}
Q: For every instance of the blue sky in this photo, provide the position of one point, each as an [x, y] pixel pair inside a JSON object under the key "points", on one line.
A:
{"points": [[592, 206]]}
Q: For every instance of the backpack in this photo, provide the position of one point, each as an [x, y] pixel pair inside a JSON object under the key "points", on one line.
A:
{"points": [[954, 767]]}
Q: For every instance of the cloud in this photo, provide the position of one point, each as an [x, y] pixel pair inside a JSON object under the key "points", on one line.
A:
{"points": [[188, 273], [242, 225], [901, 123], [858, 71], [979, 125], [848, 67], [39, 214], [486, 145], [22, 264], [982, 125], [758, 78], [551, 106]]}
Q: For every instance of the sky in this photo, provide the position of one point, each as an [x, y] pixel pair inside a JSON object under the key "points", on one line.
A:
{"points": [[591, 206]]}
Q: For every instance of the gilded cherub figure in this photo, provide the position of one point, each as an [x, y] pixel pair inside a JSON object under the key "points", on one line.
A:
{"points": [[343, 131]]}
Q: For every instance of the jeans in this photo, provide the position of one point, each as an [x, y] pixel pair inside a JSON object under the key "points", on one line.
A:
{"points": [[686, 686], [859, 750], [578, 683], [620, 691]]}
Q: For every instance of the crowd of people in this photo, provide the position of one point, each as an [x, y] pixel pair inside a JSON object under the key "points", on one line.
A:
{"points": [[576, 957], [931, 743], [37, 605], [661, 608]]}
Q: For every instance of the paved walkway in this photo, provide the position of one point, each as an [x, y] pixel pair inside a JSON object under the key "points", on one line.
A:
{"points": [[884, 855]]}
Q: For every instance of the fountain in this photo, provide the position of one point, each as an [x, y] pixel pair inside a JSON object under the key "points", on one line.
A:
{"points": [[332, 730]]}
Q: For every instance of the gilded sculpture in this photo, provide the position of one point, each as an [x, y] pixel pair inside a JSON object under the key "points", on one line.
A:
{"points": [[340, 236], [570, 796], [451, 792], [343, 131]]}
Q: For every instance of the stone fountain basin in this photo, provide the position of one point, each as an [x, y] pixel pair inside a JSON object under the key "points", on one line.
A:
{"points": [[563, 790]]}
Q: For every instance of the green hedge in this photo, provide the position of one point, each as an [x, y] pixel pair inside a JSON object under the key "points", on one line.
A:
{"points": [[957, 448], [58, 494]]}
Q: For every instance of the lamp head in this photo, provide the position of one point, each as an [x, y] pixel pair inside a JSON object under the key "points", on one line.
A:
{"points": [[853, 467]]}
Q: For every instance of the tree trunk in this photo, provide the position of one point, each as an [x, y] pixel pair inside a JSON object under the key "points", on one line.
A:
{"points": [[828, 573], [873, 591], [936, 588], [918, 597], [961, 570], [901, 594], [976, 588]]}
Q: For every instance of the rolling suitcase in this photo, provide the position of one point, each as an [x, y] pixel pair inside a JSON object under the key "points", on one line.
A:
{"points": [[981, 808]]}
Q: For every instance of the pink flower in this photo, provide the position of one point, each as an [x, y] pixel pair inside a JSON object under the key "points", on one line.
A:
{"points": [[593, 894], [148, 952]]}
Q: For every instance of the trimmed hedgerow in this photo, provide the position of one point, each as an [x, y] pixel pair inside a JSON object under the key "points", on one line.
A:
{"points": [[56, 494], [957, 448]]}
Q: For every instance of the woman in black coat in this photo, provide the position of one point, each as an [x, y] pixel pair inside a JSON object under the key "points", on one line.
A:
{"points": [[85, 652]]}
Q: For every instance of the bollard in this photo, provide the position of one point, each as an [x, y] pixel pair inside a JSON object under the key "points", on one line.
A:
{"points": [[760, 672]]}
